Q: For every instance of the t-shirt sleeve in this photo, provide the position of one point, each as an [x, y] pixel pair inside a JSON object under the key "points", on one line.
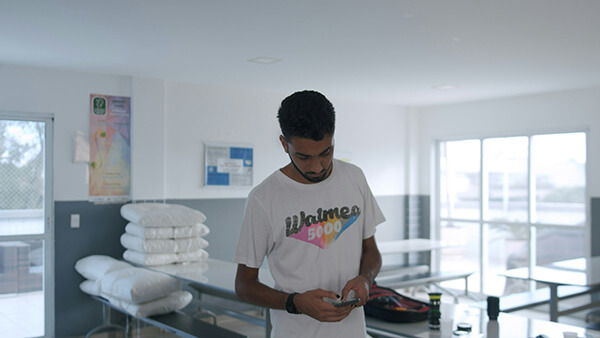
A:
{"points": [[373, 214], [254, 238]]}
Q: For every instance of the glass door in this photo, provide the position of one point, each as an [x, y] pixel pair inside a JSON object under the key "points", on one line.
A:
{"points": [[26, 225], [510, 202]]}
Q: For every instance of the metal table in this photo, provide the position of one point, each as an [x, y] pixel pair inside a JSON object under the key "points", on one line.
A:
{"points": [[574, 272]]}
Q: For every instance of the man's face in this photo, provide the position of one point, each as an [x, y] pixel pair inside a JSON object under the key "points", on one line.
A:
{"points": [[312, 159]]}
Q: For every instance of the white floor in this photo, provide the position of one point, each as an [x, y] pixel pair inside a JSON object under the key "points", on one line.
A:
{"points": [[22, 315]]}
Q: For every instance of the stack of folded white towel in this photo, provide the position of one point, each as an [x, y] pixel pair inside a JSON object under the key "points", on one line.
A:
{"points": [[138, 291], [161, 233]]}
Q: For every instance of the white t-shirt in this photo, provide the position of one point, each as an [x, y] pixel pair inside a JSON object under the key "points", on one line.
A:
{"points": [[312, 237]]}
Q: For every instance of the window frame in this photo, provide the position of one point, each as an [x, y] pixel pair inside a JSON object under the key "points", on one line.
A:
{"points": [[481, 222], [48, 235]]}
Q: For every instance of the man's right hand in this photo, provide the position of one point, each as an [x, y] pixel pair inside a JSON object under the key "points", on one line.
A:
{"points": [[311, 303]]}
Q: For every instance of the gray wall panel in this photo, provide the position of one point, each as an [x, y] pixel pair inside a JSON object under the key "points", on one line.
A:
{"points": [[101, 227], [224, 218], [595, 223]]}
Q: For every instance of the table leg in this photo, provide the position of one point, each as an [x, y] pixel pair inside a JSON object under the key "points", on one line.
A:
{"points": [[107, 323], [473, 297], [553, 302], [454, 295], [268, 326]]}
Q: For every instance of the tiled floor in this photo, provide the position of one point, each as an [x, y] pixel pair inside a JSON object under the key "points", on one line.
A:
{"points": [[22, 316]]}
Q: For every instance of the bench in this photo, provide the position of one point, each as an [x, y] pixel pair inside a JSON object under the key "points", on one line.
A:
{"points": [[179, 323], [400, 269], [397, 279], [523, 300]]}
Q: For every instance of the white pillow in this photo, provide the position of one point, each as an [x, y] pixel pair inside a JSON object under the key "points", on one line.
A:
{"points": [[188, 270], [196, 230], [175, 301], [192, 256], [150, 232], [149, 259], [190, 244], [91, 287], [161, 214], [95, 266], [138, 285], [139, 244]]}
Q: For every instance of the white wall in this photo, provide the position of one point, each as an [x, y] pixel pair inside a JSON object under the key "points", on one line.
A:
{"points": [[374, 137], [371, 135], [147, 139], [171, 121], [199, 114], [67, 96], [554, 112]]}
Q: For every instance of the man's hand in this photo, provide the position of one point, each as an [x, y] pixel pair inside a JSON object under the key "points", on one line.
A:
{"points": [[370, 263], [311, 303], [360, 285]]}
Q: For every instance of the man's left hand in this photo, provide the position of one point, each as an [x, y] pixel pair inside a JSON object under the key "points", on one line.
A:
{"points": [[360, 285]]}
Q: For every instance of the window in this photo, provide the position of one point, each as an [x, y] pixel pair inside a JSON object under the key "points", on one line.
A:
{"points": [[26, 225], [508, 202]]}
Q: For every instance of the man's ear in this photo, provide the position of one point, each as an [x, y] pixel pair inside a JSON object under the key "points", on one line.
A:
{"points": [[283, 143]]}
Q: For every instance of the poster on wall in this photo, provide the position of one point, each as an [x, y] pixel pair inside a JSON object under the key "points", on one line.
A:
{"points": [[110, 156], [228, 165]]}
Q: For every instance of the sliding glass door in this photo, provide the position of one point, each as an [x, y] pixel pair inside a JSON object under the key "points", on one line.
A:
{"points": [[511, 202], [26, 225]]}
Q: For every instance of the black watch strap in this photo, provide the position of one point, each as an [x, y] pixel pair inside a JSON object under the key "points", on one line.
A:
{"points": [[289, 304]]}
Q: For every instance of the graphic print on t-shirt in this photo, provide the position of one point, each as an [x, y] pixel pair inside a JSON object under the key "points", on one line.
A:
{"points": [[322, 228]]}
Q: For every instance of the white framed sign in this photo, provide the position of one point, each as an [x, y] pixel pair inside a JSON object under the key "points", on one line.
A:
{"points": [[228, 165]]}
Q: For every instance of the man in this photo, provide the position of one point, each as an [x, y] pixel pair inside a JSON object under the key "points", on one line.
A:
{"points": [[314, 220]]}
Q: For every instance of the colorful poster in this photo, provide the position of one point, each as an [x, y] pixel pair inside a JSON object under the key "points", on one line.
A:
{"points": [[110, 156], [228, 165]]}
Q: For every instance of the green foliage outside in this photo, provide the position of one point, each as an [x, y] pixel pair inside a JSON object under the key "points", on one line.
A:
{"points": [[21, 165]]}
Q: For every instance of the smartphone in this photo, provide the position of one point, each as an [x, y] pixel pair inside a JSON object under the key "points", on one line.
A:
{"points": [[347, 302]]}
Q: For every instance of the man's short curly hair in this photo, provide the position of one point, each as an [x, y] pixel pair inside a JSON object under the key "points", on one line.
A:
{"points": [[306, 114]]}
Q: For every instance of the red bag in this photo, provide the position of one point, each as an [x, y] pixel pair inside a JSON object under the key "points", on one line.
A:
{"points": [[387, 304]]}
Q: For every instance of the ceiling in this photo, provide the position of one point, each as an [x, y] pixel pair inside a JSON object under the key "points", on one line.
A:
{"points": [[386, 51]]}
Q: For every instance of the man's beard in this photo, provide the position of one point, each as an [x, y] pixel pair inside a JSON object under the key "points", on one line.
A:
{"points": [[312, 179]]}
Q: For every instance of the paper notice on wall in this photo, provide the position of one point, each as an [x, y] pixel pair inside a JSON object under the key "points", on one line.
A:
{"points": [[81, 147], [227, 165], [110, 156]]}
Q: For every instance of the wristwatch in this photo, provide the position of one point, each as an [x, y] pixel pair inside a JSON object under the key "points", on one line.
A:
{"points": [[289, 304]]}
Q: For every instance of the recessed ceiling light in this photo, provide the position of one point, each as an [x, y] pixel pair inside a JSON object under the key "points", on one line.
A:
{"points": [[445, 87], [264, 60]]}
